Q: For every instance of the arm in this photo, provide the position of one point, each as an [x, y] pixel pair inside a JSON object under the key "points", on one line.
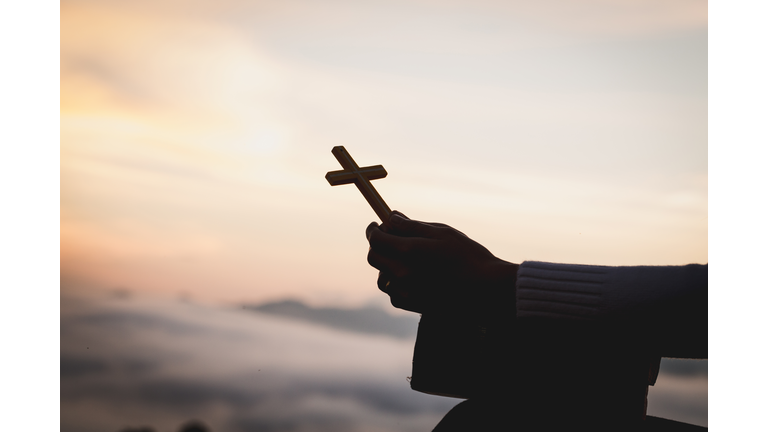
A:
{"points": [[428, 266], [667, 305]]}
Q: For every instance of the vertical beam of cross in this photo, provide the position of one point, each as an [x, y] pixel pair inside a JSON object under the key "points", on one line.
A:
{"points": [[361, 177]]}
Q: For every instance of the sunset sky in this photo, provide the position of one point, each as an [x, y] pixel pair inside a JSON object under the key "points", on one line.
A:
{"points": [[195, 137]]}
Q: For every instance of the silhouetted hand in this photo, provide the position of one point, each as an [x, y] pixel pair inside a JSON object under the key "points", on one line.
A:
{"points": [[433, 267]]}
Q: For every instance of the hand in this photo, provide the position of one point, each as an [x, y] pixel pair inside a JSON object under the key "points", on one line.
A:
{"points": [[433, 267]]}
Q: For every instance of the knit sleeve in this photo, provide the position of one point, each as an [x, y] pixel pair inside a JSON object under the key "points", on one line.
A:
{"points": [[670, 301], [566, 291]]}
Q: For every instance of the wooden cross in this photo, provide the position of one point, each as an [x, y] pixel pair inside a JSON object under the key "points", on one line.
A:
{"points": [[361, 177]]}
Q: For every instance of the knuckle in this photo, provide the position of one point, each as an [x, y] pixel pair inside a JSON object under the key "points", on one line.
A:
{"points": [[373, 236], [383, 286], [383, 282], [373, 259], [370, 229], [448, 231]]}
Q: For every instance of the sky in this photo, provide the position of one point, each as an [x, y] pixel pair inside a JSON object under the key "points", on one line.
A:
{"points": [[142, 96], [195, 137]]}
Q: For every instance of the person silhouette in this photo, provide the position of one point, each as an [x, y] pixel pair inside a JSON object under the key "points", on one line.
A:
{"points": [[537, 345]]}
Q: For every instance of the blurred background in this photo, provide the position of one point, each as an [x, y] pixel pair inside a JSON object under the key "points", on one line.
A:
{"points": [[195, 136]]}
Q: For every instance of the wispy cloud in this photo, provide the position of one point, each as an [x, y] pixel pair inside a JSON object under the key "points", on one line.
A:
{"points": [[194, 138]]}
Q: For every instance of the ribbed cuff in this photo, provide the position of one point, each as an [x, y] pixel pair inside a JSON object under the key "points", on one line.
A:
{"points": [[560, 291]]}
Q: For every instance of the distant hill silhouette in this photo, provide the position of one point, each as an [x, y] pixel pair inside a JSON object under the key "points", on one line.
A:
{"points": [[361, 320], [373, 320], [685, 367], [190, 426]]}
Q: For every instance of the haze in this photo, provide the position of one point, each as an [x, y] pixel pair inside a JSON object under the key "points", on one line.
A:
{"points": [[195, 137]]}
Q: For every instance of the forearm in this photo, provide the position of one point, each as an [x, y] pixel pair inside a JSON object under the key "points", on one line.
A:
{"points": [[666, 305]]}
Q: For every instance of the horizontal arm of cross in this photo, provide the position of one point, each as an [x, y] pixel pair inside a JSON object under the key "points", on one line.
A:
{"points": [[345, 177], [361, 177]]}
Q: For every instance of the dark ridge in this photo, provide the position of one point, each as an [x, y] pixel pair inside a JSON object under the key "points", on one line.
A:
{"points": [[372, 320], [362, 320], [684, 367]]}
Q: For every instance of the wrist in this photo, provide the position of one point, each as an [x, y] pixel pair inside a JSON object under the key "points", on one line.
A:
{"points": [[497, 296], [501, 274]]}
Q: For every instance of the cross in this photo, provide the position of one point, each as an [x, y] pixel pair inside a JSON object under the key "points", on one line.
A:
{"points": [[361, 177]]}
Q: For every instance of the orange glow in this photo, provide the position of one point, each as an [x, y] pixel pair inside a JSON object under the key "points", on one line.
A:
{"points": [[195, 139]]}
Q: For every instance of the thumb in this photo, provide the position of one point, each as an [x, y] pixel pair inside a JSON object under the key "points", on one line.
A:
{"points": [[398, 212], [411, 228]]}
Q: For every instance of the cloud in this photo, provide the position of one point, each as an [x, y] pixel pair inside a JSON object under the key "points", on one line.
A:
{"points": [[73, 367], [680, 397], [132, 360], [168, 362], [192, 135]]}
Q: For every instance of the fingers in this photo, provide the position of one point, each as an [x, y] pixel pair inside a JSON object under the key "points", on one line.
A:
{"points": [[386, 250], [399, 296], [369, 229], [397, 252], [406, 304], [386, 283], [395, 267], [386, 243], [411, 228], [407, 227], [415, 235], [413, 247], [383, 281]]}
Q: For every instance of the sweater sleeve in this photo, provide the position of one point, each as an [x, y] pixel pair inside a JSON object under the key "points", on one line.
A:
{"points": [[669, 303]]}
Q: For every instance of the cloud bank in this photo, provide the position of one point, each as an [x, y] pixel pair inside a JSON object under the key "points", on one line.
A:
{"points": [[130, 362]]}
